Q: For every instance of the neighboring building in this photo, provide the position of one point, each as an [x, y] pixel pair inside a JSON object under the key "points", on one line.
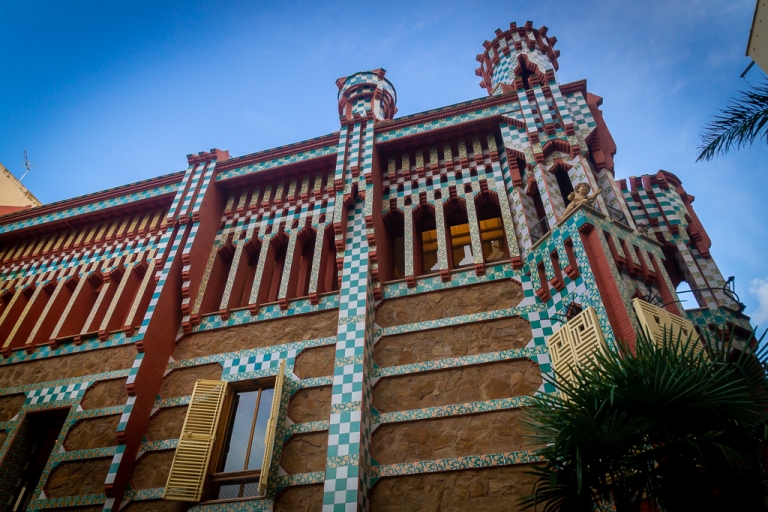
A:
{"points": [[757, 46], [384, 293], [13, 195]]}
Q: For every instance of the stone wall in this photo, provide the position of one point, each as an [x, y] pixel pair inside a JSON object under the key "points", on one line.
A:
{"points": [[260, 334], [78, 477], [455, 341], [93, 433], [442, 438], [315, 362], [155, 506], [304, 453], [106, 393], [302, 498], [311, 404], [503, 379], [461, 300], [477, 490], [181, 382], [166, 423], [62, 367], [10, 405], [152, 470]]}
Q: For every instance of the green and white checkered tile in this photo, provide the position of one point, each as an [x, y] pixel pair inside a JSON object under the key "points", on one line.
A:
{"points": [[257, 362], [54, 394]]}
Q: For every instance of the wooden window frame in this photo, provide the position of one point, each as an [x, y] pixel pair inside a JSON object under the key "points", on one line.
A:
{"points": [[225, 426]]}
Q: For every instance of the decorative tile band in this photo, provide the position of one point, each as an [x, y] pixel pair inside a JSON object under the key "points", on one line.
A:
{"points": [[100, 205]]}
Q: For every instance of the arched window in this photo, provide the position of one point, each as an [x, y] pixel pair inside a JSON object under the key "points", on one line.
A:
{"points": [[491, 227], [273, 268], [245, 274], [327, 279], [425, 240], [392, 254], [564, 184], [457, 231], [301, 271], [82, 305], [217, 281]]}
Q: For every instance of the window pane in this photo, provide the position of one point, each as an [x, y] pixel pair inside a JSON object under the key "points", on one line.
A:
{"points": [[234, 459], [493, 239], [429, 250], [257, 447], [461, 245]]}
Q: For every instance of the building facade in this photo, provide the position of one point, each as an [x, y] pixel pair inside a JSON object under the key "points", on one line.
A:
{"points": [[351, 322]]}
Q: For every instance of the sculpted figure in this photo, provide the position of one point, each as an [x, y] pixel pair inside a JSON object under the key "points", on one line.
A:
{"points": [[579, 196]]}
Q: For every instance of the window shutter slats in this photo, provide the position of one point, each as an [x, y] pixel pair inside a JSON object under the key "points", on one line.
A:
{"points": [[190, 463], [654, 320], [269, 439], [575, 342]]}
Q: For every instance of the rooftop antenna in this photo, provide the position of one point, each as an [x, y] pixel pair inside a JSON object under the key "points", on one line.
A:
{"points": [[27, 165]]}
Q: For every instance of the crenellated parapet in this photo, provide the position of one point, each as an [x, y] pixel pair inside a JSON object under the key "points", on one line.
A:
{"points": [[517, 58], [366, 95]]}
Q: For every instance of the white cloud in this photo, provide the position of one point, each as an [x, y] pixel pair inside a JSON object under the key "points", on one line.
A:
{"points": [[759, 289]]}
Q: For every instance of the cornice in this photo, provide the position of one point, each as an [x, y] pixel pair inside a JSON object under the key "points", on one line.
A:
{"points": [[279, 152]]}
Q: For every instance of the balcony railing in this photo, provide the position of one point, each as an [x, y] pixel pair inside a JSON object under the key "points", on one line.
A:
{"points": [[617, 215], [538, 230]]}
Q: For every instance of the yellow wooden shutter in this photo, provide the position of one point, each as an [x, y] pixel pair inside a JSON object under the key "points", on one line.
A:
{"points": [[190, 463], [654, 320], [269, 439], [575, 342]]}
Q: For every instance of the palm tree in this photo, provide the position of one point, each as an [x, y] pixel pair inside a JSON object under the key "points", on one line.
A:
{"points": [[663, 428], [744, 120]]}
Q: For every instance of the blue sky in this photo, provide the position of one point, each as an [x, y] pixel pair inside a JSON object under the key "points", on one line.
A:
{"points": [[107, 93]]}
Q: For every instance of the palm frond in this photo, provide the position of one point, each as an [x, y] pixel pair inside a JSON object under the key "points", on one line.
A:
{"points": [[744, 119], [682, 426]]}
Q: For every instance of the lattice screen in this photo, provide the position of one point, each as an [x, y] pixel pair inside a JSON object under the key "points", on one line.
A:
{"points": [[654, 320], [575, 342]]}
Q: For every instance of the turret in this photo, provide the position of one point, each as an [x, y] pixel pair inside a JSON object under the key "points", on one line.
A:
{"points": [[366, 94], [515, 57]]}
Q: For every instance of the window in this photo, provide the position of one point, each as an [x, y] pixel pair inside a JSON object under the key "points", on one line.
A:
{"points": [[492, 237], [425, 234], [460, 241], [239, 466]]}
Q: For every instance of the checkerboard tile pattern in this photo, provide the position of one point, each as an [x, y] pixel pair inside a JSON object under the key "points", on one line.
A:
{"points": [[343, 483], [57, 393], [257, 362]]}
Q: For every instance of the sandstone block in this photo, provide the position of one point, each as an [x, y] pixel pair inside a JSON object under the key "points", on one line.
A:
{"points": [[478, 490], [302, 498], [311, 404], [461, 300], [62, 367], [260, 334], [166, 423], [304, 453], [502, 379], [442, 438], [78, 477], [93, 433], [315, 362], [181, 382], [455, 341], [105, 393]]}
